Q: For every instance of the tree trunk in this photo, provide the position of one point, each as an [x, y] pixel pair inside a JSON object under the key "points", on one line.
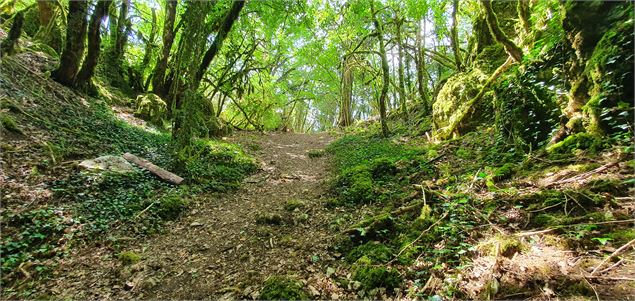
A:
{"points": [[345, 118], [159, 86], [385, 71], [229, 20], [492, 22], [422, 84], [74, 48], [8, 45], [121, 31], [147, 56], [402, 87], [455, 36], [84, 77]]}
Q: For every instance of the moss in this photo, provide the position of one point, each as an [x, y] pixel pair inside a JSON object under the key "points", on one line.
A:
{"points": [[151, 107], [269, 219], [31, 21], [505, 245], [372, 277], [293, 204], [582, 141], [555, 220], [382, 168], [355, 185], [377, 252], [503, 172], [621, 236], [283, 288], [316, 153], [171, 207], [129, 257], [8, 123]]}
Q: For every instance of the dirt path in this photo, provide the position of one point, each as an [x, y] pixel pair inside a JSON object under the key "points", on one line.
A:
{"points": [[221, 248]]}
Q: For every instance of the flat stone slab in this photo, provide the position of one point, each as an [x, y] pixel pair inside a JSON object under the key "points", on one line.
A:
{"points": [[108, 163]]}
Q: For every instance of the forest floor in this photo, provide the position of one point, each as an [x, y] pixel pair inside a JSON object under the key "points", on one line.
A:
{"points": [[275, 224]]}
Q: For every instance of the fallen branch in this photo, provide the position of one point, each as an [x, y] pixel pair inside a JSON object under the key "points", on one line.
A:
{"points": [[529, 233], [585, 175], [158, 171], [618, 251]]}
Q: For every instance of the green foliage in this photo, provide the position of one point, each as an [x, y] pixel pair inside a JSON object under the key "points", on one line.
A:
{"points": [[216, 165], [293, 204], [7, 122], [31, 236], [283, 288], [129, 257], [372, 277], [370, 168], [105, 200], [376, 252], [579, 141]]}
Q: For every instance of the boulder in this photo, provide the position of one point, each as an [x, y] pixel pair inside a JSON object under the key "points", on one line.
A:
{"points": [[108, 163], [150, 107]]}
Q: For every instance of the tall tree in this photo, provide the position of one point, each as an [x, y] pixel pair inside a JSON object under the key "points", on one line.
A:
{"points": [[455, 36], [159, 86], [400, 61], [74, 47], [8, 44], [346, 97], [379, 29], [492, 22], [84, 77]]}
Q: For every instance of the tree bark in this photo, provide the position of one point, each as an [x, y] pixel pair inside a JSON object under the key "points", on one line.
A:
{"points": [[159, 86], [345, 118], [422, 84], [229, 20], [455, 36], [384, 68], [74, 47], [402, 87], [156, 170], [121, 31], [83, 78], [8, 45], [492, 22]]}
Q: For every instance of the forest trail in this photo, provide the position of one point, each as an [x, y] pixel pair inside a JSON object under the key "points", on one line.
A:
{"points": [[232, 241]]}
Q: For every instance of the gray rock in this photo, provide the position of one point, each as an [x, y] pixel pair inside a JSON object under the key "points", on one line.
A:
{"points": [[108, 163]]}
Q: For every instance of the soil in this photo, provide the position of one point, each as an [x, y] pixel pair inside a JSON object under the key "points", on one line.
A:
{"points": [[221, 248]]}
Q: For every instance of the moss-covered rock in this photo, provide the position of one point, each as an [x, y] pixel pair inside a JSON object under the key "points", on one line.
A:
{"points": [[150, 107], [283, 288], [293, 204], [451, 104], [355, 185], [375, 251], [372, 277], [579, 141], [129, 257]]}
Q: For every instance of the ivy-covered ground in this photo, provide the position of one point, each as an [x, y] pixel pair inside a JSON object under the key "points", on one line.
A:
{"points": [[50, 209]]}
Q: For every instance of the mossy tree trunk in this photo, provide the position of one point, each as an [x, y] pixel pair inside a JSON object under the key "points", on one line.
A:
{"points": [[149, 48], [400, 65], [159, 86], [492, 22], [346, 97], [455, 36], [8, 45], [385, 70], [84, 77], [420, 62], [74, 46]]}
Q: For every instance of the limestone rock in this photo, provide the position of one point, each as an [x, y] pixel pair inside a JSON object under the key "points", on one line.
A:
{"points": [[108, 163], [150, 107]]}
